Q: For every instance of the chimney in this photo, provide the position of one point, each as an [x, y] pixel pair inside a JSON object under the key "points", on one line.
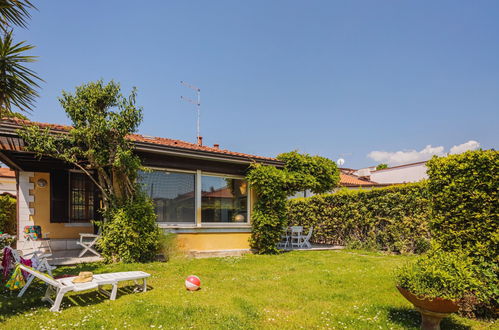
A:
{"points": [[200, 140], [216, 146]]}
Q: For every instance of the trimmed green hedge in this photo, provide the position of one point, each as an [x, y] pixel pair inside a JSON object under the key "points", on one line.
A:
{"points": [[8, 214], [393, 218], [464, 192]]}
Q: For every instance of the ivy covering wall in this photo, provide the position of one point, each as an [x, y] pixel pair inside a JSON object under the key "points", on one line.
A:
{"points": [[273, 186], [394, 218]]}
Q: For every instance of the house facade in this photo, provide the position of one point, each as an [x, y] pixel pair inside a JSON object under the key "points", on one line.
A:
{"points": [[199, 192], [405, 173]]}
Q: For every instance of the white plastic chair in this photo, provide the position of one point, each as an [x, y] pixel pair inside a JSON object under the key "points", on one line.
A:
{"points": [[64, 285], [87, 241], [304, 240], [284, 242], [44, 243], [296, 232]]}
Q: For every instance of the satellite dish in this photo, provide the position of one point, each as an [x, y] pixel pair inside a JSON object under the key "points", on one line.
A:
{"points": [[340, 161]]}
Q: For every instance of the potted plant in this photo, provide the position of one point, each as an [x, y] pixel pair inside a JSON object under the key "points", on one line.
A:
{"points": [[436, 283]]}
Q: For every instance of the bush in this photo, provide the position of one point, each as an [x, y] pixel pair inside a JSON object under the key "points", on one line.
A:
{"points": [[392, 218], [130, 234], [464, 192], [8, 215], [441, 274]]}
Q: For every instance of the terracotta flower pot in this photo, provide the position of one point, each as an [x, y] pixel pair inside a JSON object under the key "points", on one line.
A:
{"points": [[432, 310]]}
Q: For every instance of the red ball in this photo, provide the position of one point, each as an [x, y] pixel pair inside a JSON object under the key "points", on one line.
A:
{"points": [[192, 283]]}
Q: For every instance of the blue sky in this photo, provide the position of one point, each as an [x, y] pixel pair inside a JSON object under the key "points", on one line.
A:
{"points": [[325, 77]]}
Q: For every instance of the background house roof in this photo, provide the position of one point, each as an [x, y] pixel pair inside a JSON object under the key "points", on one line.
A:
{"points": [[349, 180], [7, 173]]}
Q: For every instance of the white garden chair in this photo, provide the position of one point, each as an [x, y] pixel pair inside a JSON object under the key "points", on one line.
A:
{"points": [[87, 241], [284, 242], [305, 240], [43, 243], [295, 237], [64, 285], [42, 265]]}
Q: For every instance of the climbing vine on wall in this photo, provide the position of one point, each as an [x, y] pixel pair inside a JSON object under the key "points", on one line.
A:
{"points": [[274, 185]]}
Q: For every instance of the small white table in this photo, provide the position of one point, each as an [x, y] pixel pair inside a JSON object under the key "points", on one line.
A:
{"points": [[87, 241]]}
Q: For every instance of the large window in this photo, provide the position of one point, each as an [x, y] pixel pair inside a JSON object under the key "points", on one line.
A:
{"points": [[184, 198], [223, 200], [173, 194]]}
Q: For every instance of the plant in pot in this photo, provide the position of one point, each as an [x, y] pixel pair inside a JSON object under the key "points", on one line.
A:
{"points": [[436, 283]]}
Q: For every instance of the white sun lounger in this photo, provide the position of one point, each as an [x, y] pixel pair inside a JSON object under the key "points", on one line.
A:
{"points": [[64, 285]]}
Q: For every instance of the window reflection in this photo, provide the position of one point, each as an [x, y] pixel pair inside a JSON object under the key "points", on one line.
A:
{"points": [[172, 194], [224, 200]]}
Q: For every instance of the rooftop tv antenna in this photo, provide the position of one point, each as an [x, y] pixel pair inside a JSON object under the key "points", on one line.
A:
{"points": [[198, 107], [341, 159]]}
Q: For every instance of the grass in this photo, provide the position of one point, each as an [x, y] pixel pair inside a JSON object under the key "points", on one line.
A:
{"points": [[303, 289]]}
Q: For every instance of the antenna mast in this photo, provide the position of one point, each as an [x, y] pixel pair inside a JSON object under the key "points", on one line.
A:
{"points": [[198, 107]]}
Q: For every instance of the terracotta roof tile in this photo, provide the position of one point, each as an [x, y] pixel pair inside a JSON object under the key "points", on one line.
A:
{"points": [[147, 139], [347, 180]]}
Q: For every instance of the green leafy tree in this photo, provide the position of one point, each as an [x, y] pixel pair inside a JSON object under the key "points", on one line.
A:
{"points": [[381, 166], [102, 120], [273, 186]]}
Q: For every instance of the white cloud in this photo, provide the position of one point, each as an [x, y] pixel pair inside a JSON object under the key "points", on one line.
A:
{"points": [[412, 156], [408, 156], [470, 145]]}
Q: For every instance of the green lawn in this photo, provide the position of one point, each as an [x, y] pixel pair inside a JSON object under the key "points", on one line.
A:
{"points": [[327, 289]]}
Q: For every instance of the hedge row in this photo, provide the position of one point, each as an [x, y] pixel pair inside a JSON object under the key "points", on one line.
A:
{"points": [[7, 214], [393, 218], [464, 192]]}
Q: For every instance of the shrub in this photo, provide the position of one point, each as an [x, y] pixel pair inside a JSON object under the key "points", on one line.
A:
{"points": [[392, 218], [8, 214], [441, 274], [464, 192], [130, 234]]}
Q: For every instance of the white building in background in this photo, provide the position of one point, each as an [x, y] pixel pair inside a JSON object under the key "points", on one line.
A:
{"points": [[400, 174]]}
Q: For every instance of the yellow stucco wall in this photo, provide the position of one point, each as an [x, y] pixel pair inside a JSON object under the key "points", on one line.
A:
{"points": [[213, 241], [41, 217], [189, 242]]}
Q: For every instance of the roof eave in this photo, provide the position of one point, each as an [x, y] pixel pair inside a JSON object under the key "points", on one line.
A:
{"points": [[206, 155]]}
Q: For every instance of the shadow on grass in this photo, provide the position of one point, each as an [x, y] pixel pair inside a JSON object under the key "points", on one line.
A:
{"points": [[411, 319], [76, 269], [12, 306]]}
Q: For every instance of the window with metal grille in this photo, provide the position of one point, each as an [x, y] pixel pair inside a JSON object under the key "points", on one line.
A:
{"points": [[81, 199]]}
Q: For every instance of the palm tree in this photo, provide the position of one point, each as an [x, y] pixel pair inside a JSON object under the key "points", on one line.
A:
{"points": [[14, 12], [17, 82]]}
